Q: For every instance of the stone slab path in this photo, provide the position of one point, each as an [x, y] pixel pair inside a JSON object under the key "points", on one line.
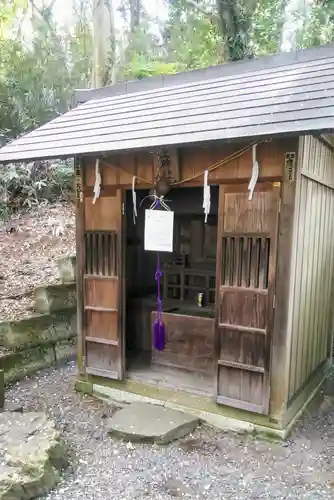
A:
{"points": [[208, 464], [147, 423], [31, 455]]}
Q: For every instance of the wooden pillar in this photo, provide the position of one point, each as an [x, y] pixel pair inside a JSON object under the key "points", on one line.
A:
{"points": [[280, 351], [79, 263]]}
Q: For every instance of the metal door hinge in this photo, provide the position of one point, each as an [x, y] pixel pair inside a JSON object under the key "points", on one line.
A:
{"points": [[274, 301], [122, 208]]}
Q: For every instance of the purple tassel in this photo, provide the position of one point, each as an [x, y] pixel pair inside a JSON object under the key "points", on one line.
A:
{"points": [[159, 335], [158, 325]]}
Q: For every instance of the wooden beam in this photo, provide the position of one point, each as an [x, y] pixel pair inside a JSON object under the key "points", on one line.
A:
{"points": [[316, 178], [281, 339], [242, 405], [99, 340], [100, 309], [80, 266], [99, 372], [241, 366], [327, 139], [242, 329]]}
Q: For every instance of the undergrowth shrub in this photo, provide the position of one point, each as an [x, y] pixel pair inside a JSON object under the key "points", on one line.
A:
{"points": [[28, 185]]}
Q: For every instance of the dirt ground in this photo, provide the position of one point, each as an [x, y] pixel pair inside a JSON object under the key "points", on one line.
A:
{"points": [[210, 464], [30, 244]]}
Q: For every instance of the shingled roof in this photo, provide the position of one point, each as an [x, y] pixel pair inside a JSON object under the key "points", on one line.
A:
{"points": [[284, 94]]}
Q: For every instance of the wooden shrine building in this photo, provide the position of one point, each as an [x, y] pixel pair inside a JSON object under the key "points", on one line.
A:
{"points": [[248, 294]]}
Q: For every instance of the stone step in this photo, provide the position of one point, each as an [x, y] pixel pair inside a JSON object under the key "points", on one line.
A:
{"points": [[143, 422], [19, 364], [37, 342], [38, 330], [54, 298]]}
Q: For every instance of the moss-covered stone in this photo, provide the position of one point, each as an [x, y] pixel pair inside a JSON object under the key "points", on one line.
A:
{"points": [[66, 350], [38, 330], [84, 386], [67, 269], [54, 298], [19, 364], [270, 437], [32, 456]]}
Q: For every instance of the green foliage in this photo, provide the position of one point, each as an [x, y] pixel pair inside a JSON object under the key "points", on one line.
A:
{"points": [[23, 186], [9, 10], [318, 27], [139, 68], [37, 79], [38, 76], [266, 27], [142, 57], [193, 39]]}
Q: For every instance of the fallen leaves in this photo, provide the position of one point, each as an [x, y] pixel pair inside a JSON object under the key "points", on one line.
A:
{"points": [[29, 254]]}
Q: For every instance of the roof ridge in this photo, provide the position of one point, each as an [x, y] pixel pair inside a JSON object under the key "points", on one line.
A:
{"points": [[276, 100], [264, 62]]}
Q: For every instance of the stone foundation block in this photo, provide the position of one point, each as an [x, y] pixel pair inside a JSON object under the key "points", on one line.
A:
{"points": [[55, 298], [67, 269]]}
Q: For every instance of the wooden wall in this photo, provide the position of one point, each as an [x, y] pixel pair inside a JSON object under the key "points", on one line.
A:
{"points": [[189, 343], [270, 155], [311, 287]]}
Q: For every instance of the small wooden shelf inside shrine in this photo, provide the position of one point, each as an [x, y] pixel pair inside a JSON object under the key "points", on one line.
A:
{"points": [[185, 284]]}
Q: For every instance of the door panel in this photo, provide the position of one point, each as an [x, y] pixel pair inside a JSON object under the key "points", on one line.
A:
{"points": [[100, 214], [102, 292], [103, 286], [246, 261]]}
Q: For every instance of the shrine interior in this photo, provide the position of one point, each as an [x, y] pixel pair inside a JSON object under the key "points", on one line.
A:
{"points": [[187, 287]]}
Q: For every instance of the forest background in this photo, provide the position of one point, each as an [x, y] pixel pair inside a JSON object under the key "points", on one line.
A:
{"points": [[49, 48]]}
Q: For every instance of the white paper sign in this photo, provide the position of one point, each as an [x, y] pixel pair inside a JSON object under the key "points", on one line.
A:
{"points": [[159, 225]]}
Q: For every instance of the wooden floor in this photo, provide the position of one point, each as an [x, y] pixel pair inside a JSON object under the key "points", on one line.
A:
{"points": [[141, 370]]}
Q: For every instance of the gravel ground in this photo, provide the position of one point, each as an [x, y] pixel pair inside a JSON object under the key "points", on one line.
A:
{"points": [[208, 464]]}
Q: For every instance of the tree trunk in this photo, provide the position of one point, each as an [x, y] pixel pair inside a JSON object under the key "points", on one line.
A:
{"points": [[104, 56], [134, 14], [235, 17]]}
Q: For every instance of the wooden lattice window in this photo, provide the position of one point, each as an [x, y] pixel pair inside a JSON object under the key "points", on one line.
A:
{"points": [[101, 253], [245, 261]]}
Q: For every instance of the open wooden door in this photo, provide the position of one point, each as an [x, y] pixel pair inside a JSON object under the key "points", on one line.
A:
{"points": [[102, 285], [245, 298]]}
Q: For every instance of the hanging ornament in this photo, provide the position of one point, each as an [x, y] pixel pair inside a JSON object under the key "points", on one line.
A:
{"points": [[159, 222], [255, 174], [159, 338], [206, 196], [163, 176], [97, 185]]}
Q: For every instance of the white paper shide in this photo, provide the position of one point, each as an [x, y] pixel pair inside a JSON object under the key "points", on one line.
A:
{"points": [[159, 227]]}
